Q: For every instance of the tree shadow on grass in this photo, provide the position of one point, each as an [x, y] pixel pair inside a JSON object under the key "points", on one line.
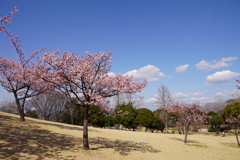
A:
{"points": [[69, 127], [23, 140], [19, 140], [231, 145], [179, 139], [122, 147]]}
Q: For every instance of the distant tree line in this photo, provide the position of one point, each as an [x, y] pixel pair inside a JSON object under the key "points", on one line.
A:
{"points": [[57, 108]]}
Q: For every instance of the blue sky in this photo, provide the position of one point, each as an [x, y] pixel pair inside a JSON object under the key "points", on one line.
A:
{"points": [[191, 46]]}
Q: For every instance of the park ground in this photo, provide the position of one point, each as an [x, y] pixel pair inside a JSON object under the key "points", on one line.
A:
{"points": [[38, 139]]}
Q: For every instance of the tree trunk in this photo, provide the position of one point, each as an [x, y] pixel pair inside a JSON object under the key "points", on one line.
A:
{"points": [[72, 120], [185, 133], [20, 108], [236, 134], [85, 128], [71, 116], [71, 111], [22, 116]]}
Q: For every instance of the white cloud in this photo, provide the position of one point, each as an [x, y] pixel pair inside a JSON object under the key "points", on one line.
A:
{"points": [[179, 95], [221, 77], [229, 59], [149, 72], [204, 65], [197, 93], [151, 100], [192, 97], [221, 94], [186, 98], [111, 74], [182, 68], [225, 95], [189, 98], [150, 104]]}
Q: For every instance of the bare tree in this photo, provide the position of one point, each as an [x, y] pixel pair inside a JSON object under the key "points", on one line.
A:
{"points": [[216, 106], [59, 108], [49, 106], [117, 100], [71, 109], [236, 96], [8, 106], [127, 98], [164, 99]]}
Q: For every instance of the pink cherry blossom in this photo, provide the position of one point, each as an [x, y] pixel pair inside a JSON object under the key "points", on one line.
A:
{"points": [[8, 18], [186, 115], [19, 77], [86, 79]]}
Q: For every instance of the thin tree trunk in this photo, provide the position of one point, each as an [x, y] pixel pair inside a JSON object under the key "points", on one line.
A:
{"points": [[236, 134], [22, 116], [85, 128], [21, 111], [20, 108], [72, 119], [185, 133]]}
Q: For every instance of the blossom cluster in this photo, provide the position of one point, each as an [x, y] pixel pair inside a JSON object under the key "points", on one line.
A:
{"points": [[85, 76], [19, 77], [233, 119], [8, 18], [187, 114]]}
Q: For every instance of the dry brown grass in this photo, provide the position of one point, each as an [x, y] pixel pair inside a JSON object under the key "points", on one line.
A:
{"points": [[37, 139]]}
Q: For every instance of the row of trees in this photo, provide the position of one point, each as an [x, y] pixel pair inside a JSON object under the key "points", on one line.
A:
{"points": [[213, 113], [132, 118], [230, 115], [46, 107], [57, 108], [182, 117], [83, 80]]}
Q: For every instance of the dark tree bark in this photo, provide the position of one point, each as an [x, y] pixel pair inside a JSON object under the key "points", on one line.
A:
{"points": [[85, 128]]}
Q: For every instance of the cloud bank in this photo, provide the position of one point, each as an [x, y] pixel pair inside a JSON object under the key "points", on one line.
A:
{"points": [[204, 65], [149, 72], [182, 68], [221, 77]]}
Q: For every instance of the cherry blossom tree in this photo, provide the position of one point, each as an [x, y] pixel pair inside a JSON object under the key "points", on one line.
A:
{"points": [[17, 77], [187, 115], [86, 79], [232, 114]]}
